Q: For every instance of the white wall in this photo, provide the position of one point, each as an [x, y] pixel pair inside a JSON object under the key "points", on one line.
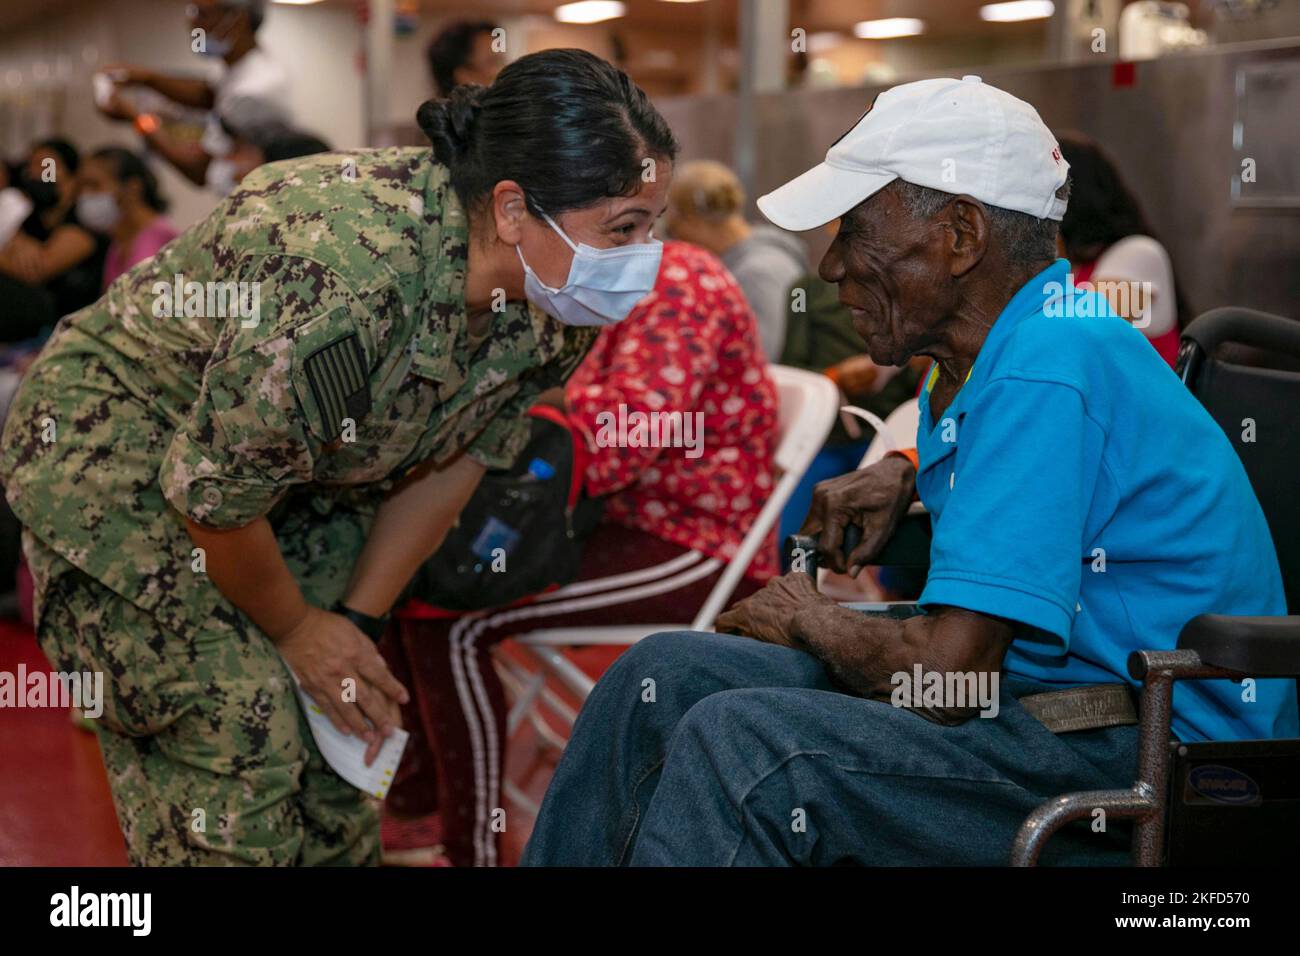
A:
{"points": [[318, 45], [411, 82], [45, 75]]}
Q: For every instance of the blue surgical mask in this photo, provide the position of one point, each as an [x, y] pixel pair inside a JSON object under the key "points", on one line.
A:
{"points": [[603, 284]]}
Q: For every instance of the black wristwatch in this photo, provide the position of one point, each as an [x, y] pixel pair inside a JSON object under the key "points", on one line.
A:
{"points": [[372, 627]]}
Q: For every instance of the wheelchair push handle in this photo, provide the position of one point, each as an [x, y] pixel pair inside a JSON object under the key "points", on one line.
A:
{"points": [[852, 538], [801, 549]]}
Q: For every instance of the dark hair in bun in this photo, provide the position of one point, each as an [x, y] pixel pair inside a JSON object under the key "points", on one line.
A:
{"points": [[567, 126], [448, 123]]}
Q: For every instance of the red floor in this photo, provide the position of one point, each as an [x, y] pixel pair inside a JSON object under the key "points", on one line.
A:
{"points": [[55, 805], [55, 808]]}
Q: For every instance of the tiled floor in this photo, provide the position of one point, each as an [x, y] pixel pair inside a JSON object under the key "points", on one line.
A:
{"points": [[55, 805]]}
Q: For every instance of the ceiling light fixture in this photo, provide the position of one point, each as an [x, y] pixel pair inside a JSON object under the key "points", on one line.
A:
{"points": [[889, 28], [1017, 10], [589, 11]]}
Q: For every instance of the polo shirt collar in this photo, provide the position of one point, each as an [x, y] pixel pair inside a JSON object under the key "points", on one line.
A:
{"points": [[1030, 299]]}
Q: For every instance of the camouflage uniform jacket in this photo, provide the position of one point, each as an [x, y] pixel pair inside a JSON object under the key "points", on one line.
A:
{"points": [[146, 406]]}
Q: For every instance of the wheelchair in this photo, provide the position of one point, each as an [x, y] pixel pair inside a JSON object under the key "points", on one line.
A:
{"points": [[1204, 803]]}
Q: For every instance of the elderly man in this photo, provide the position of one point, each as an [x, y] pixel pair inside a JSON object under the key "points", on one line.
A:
{"points": [[1084, 506]]}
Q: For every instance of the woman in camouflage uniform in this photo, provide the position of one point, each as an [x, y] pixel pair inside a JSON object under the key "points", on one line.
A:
{"points": [[210, 492]]}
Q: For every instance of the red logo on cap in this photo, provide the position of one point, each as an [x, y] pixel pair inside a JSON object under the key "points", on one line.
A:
{"points": [[1056, 155]]}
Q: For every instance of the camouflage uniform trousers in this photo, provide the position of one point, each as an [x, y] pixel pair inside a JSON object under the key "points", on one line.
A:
{"points": [[206, 722]]}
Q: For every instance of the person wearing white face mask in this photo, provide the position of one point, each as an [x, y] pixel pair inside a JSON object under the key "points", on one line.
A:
{"points": [[587, 262], [221, 30], [373, 353], [602, 285], [119, 198]]}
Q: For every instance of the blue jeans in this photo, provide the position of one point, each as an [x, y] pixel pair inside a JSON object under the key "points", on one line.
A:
{"points": [[711, 750]]}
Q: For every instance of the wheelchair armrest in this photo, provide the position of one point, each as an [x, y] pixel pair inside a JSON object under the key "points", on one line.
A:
{"points": [[1133, 804], [909, 547], [1259, 646], [1210, 646]]}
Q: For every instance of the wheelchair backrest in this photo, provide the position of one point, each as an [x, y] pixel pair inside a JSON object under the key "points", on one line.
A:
{"points": [[1244, 367]]}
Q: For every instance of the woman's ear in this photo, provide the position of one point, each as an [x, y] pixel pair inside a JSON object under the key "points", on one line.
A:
{"points": [[508, 211]]}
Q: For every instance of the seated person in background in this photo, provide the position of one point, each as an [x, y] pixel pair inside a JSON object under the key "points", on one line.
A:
{"points": [[117, 201], [462, 55], [1110, 244], [672, 520], [27, 307], [53, 250], [1045, 443], [258, 144], [705, 206], [120, 199], [819, 336]]}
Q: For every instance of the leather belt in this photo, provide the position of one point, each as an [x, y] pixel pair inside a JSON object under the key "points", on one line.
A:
{"points": [[1083, 708]]}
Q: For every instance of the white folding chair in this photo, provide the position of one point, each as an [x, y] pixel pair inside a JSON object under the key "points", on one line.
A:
{"points": [[808, 403], [897, 430]]}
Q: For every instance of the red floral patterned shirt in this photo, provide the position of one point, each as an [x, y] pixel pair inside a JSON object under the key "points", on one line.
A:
{"points": [[690, 347]]}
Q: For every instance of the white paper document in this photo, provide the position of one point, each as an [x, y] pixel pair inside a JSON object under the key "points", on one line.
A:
{"points": [[346, 754]]}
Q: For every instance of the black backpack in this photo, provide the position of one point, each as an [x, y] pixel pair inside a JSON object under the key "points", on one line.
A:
{"points": [[522, 531]]}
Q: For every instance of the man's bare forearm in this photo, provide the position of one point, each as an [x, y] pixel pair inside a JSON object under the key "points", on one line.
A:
{"points": [[189, 159], [184, 90], [863, 652]]}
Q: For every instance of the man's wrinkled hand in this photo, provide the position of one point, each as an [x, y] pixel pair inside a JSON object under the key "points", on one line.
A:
{"points": [[875, 499], [768, 615]]}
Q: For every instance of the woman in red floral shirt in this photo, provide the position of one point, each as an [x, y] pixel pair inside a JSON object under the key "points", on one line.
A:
{"points": [[689, 347], [673, 517]]}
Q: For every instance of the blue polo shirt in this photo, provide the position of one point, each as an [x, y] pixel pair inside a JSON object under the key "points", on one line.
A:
{"points": [[1078, 488]]}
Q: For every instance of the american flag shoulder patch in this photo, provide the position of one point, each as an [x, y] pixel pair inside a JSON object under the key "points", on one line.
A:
{"points": [[337, 375]]}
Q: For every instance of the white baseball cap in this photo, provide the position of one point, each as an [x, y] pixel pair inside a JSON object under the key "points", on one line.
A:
{"points": [[957, 136]]}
